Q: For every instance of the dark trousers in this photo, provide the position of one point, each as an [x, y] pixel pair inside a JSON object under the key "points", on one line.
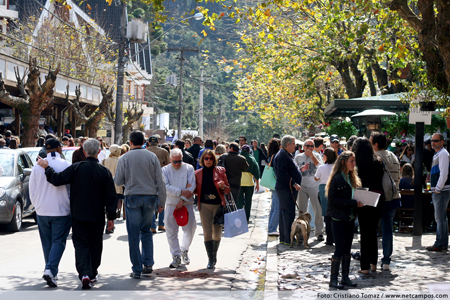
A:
{"points": [[87, 240], [368, 218], [287, 213], [329, 230], [245, 199], [343, 237], [235, 193]]}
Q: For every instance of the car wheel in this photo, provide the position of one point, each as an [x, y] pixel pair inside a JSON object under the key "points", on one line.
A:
{"points": [[16, 222]]}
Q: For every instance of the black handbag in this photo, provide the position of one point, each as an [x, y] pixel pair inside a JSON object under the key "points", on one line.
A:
{"points": [[219, 218]]}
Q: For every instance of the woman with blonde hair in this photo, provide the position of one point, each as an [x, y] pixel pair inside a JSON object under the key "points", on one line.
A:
{"points": [[340, 189]]}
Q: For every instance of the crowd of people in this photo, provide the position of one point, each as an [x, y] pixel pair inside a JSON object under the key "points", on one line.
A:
{"points": [[178, 178]]}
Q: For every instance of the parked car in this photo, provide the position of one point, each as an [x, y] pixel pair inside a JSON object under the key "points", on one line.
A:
{"points": [[33, 153], [68, 153], [15, 201]]}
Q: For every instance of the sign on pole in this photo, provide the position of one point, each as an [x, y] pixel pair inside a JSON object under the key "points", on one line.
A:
{"points": [[418, 115]]}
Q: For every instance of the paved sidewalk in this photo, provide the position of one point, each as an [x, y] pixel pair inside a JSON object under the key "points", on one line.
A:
{"points": [[307, 270]]}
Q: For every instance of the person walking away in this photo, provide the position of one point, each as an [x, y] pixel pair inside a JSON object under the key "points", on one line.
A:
{"points": [[234, 164], [163, 157], [52, 206], [78, 155], [287, 186], [111, 164], [440, 187], [247, 185], [144, 192], [195, 148], [392, 165], [308, 162], [211, 187], [342, 210], [274, 214], [322, 175], [370, 171], [91, 191], [318, 146], [208, 145], [180, 185]]}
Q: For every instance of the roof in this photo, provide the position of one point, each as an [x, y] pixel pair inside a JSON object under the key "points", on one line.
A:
{"points": [[349, 107]]}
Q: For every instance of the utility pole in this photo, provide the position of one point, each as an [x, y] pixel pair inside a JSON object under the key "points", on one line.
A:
{"points": [[200, 112], [180, 103], [120, 77]]}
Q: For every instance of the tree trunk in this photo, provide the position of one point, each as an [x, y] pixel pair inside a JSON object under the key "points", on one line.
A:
{"points": [[373, 89], [32, 103]]}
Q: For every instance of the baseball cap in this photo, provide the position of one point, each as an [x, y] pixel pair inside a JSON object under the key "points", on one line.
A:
{"points": [[246, 148], [334, 137], [153, 139], [181, 216], [157, 136], [52, 143]]}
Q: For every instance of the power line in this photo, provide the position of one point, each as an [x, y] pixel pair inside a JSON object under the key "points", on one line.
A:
{"points": [[54, 54], [102, 41]]}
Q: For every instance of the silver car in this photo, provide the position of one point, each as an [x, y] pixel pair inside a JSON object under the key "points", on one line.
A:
{"points": [[15, 201]]}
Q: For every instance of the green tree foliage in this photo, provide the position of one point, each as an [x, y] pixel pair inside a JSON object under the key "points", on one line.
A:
{"points": [[342, 128]]}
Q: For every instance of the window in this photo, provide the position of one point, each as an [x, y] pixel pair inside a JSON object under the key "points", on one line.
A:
{"points": [[21, 164]]}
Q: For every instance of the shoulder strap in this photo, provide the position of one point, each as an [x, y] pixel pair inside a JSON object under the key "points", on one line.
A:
{"points": [[271, 160]]}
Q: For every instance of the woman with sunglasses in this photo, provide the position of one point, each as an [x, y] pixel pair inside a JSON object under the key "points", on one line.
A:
{"points": [[407, 154], [211, 187]]}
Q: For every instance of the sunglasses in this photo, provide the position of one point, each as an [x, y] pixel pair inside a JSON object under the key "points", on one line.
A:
{"points": [[177, 161], [208, 158], [309, 146], [335, 142], [435, 141]]}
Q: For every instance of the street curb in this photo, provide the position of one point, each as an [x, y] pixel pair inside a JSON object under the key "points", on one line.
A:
{"points": [[272, 265]]}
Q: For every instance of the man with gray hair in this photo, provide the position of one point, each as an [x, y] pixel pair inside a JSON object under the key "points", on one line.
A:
{"points": [[91, 190], [180, 184], [287, 186], [309, 161]]}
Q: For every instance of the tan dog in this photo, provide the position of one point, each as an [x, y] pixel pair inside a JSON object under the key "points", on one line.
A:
{"points": [[301, 226]]}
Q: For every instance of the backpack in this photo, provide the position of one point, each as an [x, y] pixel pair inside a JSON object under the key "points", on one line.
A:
{"points": [[389, 188]]}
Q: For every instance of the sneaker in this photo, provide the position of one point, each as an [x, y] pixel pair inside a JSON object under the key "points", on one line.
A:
{"points": [[161, 228], [147, 270], [320, 238], [273, 233], [185, 257], [135, 275], [385, 267], [48, 276], [434, 248], [86, 283], [95, 279], [176, 262]]}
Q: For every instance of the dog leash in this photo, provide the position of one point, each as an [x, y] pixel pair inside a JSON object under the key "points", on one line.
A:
{"points": [[292, 193]]}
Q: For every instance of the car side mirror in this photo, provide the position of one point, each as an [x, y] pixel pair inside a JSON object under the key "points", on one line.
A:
{"points": [[27, 172]]}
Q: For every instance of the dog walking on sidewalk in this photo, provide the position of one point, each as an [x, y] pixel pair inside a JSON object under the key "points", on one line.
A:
{"points": [[301, 226]]}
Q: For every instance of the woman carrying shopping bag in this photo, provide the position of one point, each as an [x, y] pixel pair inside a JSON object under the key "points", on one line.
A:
{"points": [[212, 185]]}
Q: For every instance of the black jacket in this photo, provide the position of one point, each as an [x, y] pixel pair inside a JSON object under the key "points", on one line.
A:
{"points": [[285, 169], [340, 202], [187, 158], [194, 150], [234, 164], [261, 156], [91, 190]]}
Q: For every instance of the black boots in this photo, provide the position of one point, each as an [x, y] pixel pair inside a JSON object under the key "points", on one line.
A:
{"points": [[209, 245], [345, 271], [335, 263], [215, 248]]}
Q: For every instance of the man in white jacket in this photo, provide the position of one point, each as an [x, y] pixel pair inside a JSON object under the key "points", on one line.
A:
{"points": [[52, 205], [180, 185]]}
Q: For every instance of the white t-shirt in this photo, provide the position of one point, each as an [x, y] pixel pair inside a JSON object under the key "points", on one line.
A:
{"points": [[323, 173], [308, 176]]}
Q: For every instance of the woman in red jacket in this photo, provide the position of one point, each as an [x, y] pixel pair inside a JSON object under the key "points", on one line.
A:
{"points": [[212, 185]]}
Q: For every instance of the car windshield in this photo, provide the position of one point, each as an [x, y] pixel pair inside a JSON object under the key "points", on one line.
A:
{"points": [[33, 155], [7, 163], [68, 154]]}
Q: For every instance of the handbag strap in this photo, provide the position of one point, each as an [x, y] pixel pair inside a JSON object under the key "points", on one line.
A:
{"points": [[271, 160]]}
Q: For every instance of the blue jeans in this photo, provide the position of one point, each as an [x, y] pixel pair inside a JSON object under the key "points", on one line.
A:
{"points": [[274, 215], [160, 220], [53, 232], [387, 227], [440, 202], [140, 210]]}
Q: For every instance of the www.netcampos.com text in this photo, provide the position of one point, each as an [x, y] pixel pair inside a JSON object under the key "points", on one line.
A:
{"points": [[380, 295]]}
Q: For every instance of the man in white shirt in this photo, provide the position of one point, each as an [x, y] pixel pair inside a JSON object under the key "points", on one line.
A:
{"points": [[308, 162], [52, 205], [180, 185]]}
